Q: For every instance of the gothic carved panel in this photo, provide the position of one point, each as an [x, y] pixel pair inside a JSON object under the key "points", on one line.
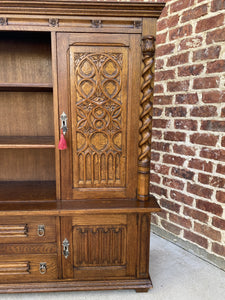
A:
{"points": [[98, 116], [99, 246]]}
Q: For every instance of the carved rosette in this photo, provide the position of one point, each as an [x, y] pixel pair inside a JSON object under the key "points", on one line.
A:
{"points": [[148, 50]]}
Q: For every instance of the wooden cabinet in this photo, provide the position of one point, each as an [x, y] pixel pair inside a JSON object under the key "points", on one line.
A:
{"points": [[102, 246], [78, 218]]}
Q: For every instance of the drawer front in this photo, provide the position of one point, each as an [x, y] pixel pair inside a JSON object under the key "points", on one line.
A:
{"points": [[27, 230], [26, 268]]}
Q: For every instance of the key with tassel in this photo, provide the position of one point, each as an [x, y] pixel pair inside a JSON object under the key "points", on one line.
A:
{"points": [[62, 142]]}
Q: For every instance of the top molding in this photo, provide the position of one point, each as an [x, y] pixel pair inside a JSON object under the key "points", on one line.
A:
{"points": [[82, 8]]}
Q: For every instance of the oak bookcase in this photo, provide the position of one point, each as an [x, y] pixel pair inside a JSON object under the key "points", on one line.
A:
{"points": [[78, 218]]}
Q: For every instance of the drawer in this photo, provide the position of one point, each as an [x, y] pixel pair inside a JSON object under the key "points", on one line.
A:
{"points": [[27, 268], [27, 230]]}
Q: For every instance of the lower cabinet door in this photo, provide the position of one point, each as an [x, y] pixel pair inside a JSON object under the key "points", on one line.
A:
{"points": [[99, 246], [28, 268]]}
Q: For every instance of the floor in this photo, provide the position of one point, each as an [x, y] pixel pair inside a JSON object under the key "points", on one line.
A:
{"points": [[176, 275]]}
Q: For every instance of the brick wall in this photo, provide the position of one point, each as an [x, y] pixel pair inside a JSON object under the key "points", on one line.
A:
{"points": [[188, 150]]}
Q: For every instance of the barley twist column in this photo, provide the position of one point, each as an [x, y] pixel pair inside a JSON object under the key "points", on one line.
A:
{"points": [[148, 50]]}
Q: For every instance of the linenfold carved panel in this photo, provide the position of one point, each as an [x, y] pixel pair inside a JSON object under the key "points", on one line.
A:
{"points": [[91, 243], [98, 117]]}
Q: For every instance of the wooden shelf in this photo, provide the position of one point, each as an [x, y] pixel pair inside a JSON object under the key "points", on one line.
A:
{"points": [[27, 190], [27, 142], [28, 87]]}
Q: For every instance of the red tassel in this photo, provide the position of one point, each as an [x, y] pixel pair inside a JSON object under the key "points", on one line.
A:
{"points": [[62, 142]]}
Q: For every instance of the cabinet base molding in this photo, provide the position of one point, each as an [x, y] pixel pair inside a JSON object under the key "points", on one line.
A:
{"points": [[141, 285]]}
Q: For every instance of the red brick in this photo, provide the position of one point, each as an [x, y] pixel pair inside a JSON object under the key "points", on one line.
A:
{"points": [[212, 52], [204, 139], [169, 205], [220, 169], [213, 208], [173, 21], [160, 123], [175, 136], [209, 23], [217, 35], [218, 249], [161, 24], [180, 5], [184, 150], [174, 160], [215, 66], [187, 99], [156, 134], [158, 88], [160, 146], [178, 86], [213, 154], [182, 173], [162, 214], [178, 59], [218, 126], [164, 75], [186, 124], [180, 220], [162, 169], [223, 112], [155, 178], [178, 196], [220, 196], [180, 32], [190, 70], [190, 43], [199, 191], [200, 165], [206, 83], [195, 214], [165, 49], [204, 111], [157, 112], [219, 223], [170, 227], [163, 100], [161, 38], [197, 239], [223, 142], [203, 178], [155, 156], [159, 64], [176, 111], [213, 96], [154, 219], [194, 13], [214, 181], [217, 5], [207, 231], [173, 183], [154, 189]]}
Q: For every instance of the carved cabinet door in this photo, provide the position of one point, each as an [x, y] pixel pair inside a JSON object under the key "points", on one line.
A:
{"points": [[99, 246], [99, 90]]}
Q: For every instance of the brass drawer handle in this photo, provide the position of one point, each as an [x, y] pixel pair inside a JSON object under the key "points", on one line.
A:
{"points": [[41, 230], [43, 268]]}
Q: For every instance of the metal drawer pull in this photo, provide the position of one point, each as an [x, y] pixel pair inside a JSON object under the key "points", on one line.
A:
{"points": [[41, 230], [43, 268], [65, 245]]}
